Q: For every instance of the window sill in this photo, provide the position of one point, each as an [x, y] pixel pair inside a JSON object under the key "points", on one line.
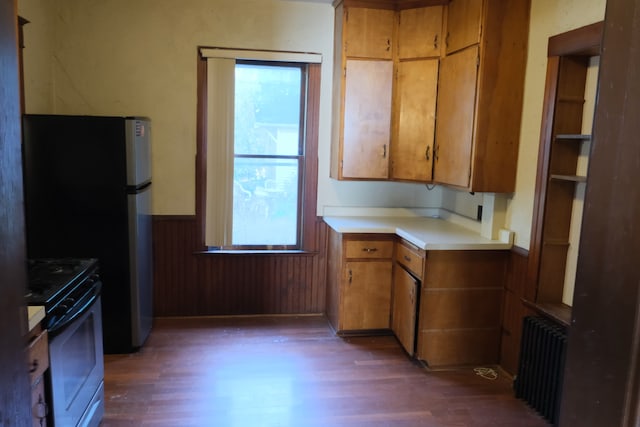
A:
{"points": [[256, 252]]}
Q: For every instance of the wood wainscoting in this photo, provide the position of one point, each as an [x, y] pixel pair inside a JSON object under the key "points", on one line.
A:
{"points": [[514, 310], [188, 282]]}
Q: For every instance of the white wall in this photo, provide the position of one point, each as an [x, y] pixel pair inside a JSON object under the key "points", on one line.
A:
{"points": [[548, 18], [124, 57], [139, 57], [39, 55]]}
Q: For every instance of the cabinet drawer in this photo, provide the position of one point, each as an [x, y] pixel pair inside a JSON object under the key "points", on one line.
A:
{"points": [[411, 259], [38, 356], [369, 249]]}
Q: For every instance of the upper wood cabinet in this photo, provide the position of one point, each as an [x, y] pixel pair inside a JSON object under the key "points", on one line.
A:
{"points": [[463, 24], [420, 32], [366, 119], [368, 33], [385, 85], [416, 86], [457, 88], [362, 79], [480, 92], [456, 108], [414, 120]]}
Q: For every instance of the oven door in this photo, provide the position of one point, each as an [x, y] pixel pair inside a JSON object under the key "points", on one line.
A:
{"points": [[76, 371]]}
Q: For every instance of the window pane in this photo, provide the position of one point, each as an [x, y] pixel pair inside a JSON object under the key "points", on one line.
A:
{"points": [[267, 109], [265, 202]]}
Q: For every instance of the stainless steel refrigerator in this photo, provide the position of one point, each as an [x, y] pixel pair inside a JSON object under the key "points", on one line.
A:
{"points": [[87, 184]]}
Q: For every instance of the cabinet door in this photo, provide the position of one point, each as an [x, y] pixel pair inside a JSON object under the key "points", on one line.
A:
{"points": [[366, 302], [403, 324], [417, 83], [456, 113], [367, 119], [368, 33], [463, 24], [420, 32]]}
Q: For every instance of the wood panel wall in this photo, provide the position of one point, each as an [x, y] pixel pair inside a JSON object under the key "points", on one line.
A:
{"points": [[602, 378], [516, 287], [188, 282], [15, 393]]}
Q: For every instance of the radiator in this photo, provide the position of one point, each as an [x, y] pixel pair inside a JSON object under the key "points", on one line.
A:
{"points": [[540, 372]]}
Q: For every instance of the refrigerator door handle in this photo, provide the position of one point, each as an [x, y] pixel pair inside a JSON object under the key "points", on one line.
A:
{"points": [[140, 258]]}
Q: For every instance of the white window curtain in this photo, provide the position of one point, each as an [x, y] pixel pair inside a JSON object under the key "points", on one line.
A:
{"points": [[220, 112], [220, 124]]}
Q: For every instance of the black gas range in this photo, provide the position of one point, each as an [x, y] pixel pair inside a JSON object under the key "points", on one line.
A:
{"points": [[64, 286], [69, 289]]}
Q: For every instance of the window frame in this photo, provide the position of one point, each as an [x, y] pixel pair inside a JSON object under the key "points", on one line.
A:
{"points": [[307, 200], [299, 157]]}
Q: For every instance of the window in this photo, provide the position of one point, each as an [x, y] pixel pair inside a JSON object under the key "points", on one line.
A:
{"points": [[268, 154], [260, 176]]}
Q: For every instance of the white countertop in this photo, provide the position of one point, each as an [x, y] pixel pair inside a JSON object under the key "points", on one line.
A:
{"points": [[36, 314], [425, 233]]}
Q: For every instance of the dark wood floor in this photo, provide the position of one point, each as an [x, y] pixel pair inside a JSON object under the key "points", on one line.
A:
{"points": [[293, 372]]}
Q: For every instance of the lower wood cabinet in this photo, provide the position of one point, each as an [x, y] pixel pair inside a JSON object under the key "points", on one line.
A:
{"points": [[38, 359], [444, 306], [460, 308], [359, 281], [406, 289], [407, 273]]}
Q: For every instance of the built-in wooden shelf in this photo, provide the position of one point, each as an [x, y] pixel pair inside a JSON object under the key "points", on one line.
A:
{"points": [[573, 178], [562, 163], [571, 99], [571, 136], [558, 312], [556, 242]]}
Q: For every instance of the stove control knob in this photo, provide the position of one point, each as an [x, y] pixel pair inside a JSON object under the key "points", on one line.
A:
{"points": [[60, 309]]}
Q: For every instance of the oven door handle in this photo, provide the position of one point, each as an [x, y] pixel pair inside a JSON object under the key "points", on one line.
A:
{"points": [[83, 306]]}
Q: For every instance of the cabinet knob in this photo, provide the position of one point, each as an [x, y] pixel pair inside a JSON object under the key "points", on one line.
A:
{"points": [[406, 258], [435, 41], [34, 366], [40, 409], [369, 249], [350, 276], [427, 153]]}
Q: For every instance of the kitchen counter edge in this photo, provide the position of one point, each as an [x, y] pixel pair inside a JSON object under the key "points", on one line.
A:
{"points": [[36, 314], [425, 233]]}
